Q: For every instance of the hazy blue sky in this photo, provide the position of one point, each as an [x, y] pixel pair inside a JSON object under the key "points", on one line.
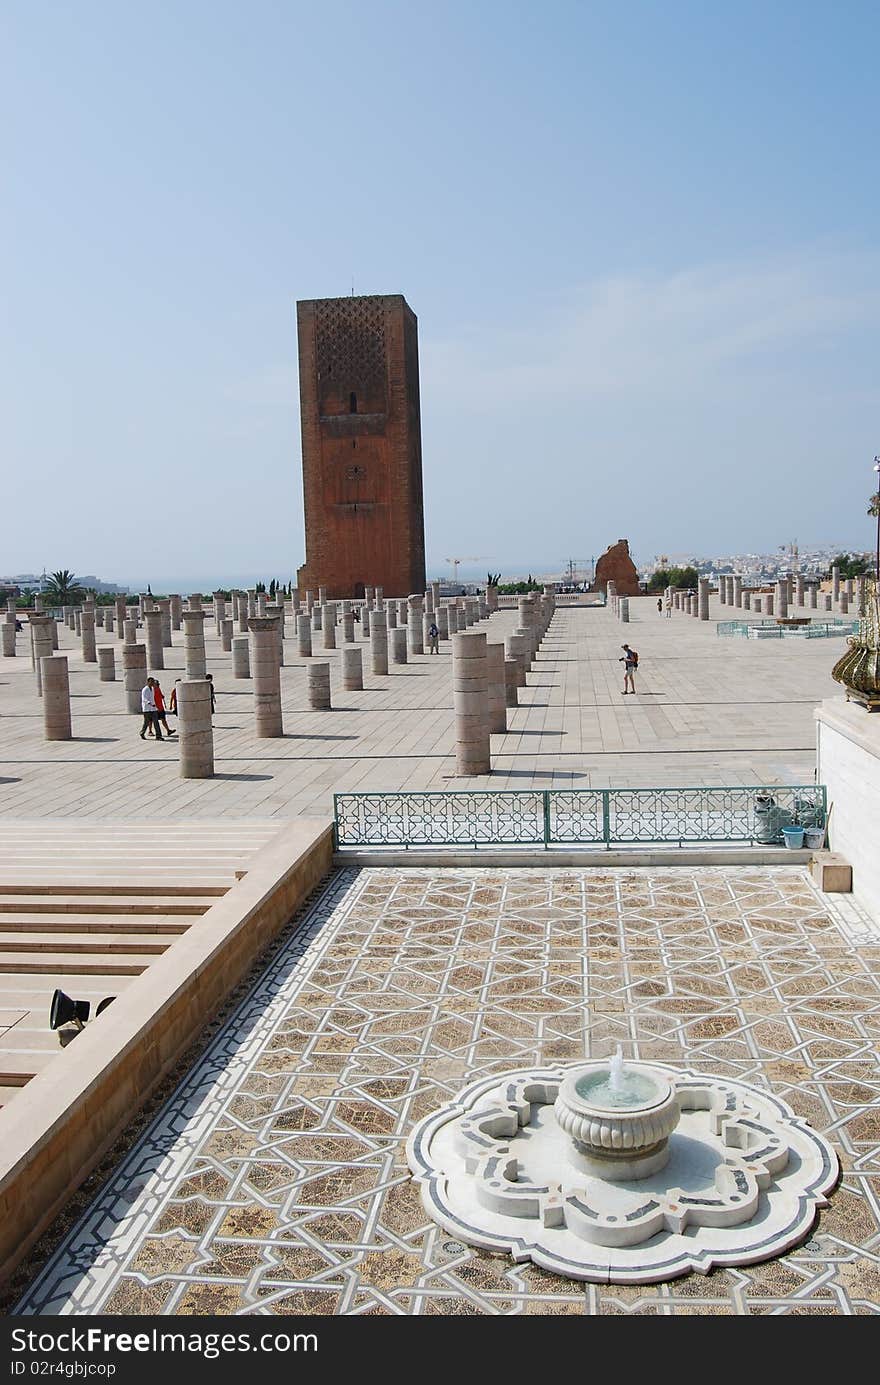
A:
{"points": [[641, 240]]}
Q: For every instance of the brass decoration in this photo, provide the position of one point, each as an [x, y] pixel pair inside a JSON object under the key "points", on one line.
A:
{"points": [[859, 668]]}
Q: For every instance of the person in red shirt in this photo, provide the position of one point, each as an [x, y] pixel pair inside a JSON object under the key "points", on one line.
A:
{"points": [[160, 709]]}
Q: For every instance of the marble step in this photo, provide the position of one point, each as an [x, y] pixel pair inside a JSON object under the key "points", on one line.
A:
{"points": [[163, 924], [194, 905], [63, 943]]}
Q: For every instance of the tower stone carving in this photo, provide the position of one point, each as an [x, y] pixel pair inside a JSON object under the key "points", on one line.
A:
{"points": [[361, 446]]}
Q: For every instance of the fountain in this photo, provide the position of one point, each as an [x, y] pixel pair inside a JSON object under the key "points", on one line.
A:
{"points": [[621, 1170]]}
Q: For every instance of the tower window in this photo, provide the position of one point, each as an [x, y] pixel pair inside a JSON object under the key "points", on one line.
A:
{"points": [[352, 403]]}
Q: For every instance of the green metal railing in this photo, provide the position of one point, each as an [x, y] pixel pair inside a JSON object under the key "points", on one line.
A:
{"points": [[582, 817], [769, 629]]}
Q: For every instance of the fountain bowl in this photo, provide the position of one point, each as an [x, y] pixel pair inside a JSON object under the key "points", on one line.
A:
{"points": [[618, 1135]]}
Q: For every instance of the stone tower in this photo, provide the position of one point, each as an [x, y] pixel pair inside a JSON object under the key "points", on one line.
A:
{"points": [[361, 445]]}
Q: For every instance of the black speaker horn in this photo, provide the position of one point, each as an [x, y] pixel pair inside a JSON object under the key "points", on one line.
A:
{"points": [[66, 1011]]}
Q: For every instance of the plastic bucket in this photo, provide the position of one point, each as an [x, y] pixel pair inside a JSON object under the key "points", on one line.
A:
{"points": [[793, 837], [814, 838]]}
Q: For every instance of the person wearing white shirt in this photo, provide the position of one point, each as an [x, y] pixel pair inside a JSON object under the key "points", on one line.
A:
{"points": [[148, 707]]}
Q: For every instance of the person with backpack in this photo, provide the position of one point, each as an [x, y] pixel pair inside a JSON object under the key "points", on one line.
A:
{"points": [[630, 661]]}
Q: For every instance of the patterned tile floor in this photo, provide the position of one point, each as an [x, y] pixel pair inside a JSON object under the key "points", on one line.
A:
{"points": [[274, 1179]]}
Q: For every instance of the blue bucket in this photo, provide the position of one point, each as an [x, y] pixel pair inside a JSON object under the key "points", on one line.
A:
{"points": [[793, 838]]}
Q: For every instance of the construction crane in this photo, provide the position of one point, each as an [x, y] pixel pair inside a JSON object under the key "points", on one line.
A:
{"points": [[455, 564]]}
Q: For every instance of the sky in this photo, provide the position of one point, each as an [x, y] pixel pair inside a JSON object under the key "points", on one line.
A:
{"points": [[641, 241]]}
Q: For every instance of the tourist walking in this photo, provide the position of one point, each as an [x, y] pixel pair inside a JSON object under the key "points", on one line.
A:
{"points": [[160, 708], [172, 701], [659, 605], [148, 707], [630, 661], [433, 639], [210, 681]]}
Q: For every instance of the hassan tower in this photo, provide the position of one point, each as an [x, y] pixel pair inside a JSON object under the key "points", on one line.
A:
{"points": [[361, 446]]}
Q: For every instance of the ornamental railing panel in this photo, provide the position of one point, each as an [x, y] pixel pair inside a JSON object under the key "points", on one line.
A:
{"points": [[579, 817]]}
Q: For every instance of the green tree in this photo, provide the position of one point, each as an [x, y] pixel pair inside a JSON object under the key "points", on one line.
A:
{"points": [[673, 577], [850, 564], [64, 589]]}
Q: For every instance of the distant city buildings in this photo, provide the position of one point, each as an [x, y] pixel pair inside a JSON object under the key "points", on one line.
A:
{"points": [[37, 582]]}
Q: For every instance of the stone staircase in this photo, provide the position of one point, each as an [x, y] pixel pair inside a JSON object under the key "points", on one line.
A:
{"points": [[89, 906]]}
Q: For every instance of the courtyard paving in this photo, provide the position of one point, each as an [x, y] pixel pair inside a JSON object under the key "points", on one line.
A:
{"points": [[708, 711], [274, 1179]]}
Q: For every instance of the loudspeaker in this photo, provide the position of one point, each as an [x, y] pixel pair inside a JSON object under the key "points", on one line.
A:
{"points": [[66, 1011]]}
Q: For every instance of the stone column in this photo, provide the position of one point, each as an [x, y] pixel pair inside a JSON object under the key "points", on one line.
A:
{"points": [[121, 614], [226, 635], [441, 615], [611, 595], [304, 635], [482, 607], [8, 629], [261, 606], [195, 662], [471, 702], [369, 597], [194, 602], [366, 616], [77, 620], [129, 632], [176, 605], [38, 603], [799, 588], [511, 676], [722, 589], [402, 611], [109, 620], [416, 643], [272, 613], [492, 599], [88, 637], [107, 664], [703, 601], [850, 591], [452, 619], [814, 596], [835, 584], [41, 645], [267, 676], [99, 616], [328, 618], [352, 668], [294, 603], [56, 699], [241, 662], [829, 601], [195, 728], [623, 609], [427, 621], [219, 612], [164, 608], [378, 642], [677, 599], [516, 649], [54, 630], [155, 655], [495, 684], [316, 618], [347, 626], [738, 592], [319, 687], [526, 619], [134, 674], [781, 604], [380, 596], [391, 614], [322, 596], [844, 603], [398, 644]]}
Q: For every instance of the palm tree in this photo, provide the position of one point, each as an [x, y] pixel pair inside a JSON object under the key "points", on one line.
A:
{"points": [[64, 589]]}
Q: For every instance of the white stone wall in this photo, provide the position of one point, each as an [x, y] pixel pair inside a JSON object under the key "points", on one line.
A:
{"points": [[848, 758]]}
